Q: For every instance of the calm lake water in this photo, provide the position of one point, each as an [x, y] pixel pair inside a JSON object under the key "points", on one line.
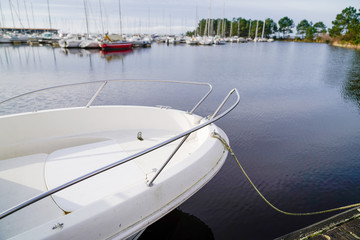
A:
{"points": [[296, 130]]}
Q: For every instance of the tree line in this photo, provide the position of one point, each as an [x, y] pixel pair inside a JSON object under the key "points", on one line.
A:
{"points": [[236, 27], [346, 27]]}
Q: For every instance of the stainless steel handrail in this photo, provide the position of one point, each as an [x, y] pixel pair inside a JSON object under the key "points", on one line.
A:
{"points": [[117, 163], [96, 94], [115, 80], [223, 103], [149, 183]]}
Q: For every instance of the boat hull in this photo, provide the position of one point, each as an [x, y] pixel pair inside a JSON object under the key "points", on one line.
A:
{"points": [[115, 46], [122, 203]]}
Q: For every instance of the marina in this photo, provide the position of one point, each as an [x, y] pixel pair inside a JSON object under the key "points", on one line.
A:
{"points": [[295, 130], [141, 120]]}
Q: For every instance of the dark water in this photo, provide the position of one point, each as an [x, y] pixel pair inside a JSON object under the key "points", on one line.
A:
{"points": [[296, 130]]}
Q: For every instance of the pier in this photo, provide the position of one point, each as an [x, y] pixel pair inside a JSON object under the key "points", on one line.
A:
{"points": [[345, 225]]}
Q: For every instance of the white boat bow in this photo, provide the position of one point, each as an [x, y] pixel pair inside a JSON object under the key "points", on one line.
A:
{"points": [[102, 172]]}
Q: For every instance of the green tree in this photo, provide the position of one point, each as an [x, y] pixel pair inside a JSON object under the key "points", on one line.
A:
{"points": [[310, 32], [302, 27], [252, 28], [190, 33], [243, 27], [285, 25], [320, 27], [270, 27], [201, 27], [346, 25], [234, 27]]}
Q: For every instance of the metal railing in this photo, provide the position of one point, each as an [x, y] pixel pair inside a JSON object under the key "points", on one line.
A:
{"points": [[183, 135], [105, 82]]}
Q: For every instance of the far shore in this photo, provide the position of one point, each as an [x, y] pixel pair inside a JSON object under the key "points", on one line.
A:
{"points": [[346, 45], [327, 40]]}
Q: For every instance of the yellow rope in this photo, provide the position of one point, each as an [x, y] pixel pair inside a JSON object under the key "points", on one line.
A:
{"points": [[216, 135]]}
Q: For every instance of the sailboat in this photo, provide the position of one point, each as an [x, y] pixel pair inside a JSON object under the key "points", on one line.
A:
{"points": [[256, 39], [108, 44], [71, 41], [88, 41], [249, 39], [263, 39], [207, 39]]}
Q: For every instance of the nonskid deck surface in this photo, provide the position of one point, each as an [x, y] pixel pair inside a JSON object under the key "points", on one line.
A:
{"points": [[24, 177]]}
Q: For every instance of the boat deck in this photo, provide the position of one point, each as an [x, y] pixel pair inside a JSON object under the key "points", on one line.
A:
{"points": [[26, 176], [345, 225]]}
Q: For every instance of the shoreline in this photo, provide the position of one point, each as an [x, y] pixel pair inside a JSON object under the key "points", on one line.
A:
{"points": [[346, 45], [335, 43]]}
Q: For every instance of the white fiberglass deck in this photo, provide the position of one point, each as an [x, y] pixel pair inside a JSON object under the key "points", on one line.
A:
{"points": [[46, 149]]}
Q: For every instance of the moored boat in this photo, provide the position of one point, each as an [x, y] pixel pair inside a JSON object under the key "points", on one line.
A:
{"points": [[89, 43], [192, 41], [115, 45], [102, 172], [118, 44]]}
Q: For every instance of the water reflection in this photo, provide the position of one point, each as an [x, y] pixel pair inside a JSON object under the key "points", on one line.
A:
{"points": [[351, 87], [178, 225], [25, 56], [19, 56], [79, 52], [115, 55]]}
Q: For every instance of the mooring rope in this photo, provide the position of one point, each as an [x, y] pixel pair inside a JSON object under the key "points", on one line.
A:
{"points": [[216, 135]]}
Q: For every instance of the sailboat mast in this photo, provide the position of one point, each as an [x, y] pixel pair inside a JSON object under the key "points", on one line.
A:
{"points": [[149, 31], [120, 19], [257, 25], [86, 18], [263, 30], [27, 15], [250, 28], [2, 16], [224, 27], [209, 18], [206, 27], [32, 12], [238, 30], [222, 23], [12, 15], [101, 17], [196, 20], [49, 13]]}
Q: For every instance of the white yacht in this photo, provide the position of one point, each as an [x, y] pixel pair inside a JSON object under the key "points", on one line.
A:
{"points": [[71, 41]]}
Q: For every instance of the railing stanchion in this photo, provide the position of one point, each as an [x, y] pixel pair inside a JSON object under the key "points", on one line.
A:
{"points": [[149, 183], [96, 94]]}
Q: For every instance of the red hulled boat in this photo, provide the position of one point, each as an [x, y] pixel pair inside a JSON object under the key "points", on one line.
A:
{"points": [[120, 45]]}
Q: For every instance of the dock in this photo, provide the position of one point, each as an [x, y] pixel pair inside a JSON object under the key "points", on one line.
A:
{"points": [[345, 225]]}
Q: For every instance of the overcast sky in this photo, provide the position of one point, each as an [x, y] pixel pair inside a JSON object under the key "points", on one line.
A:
{"points": [[161, 16]]}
